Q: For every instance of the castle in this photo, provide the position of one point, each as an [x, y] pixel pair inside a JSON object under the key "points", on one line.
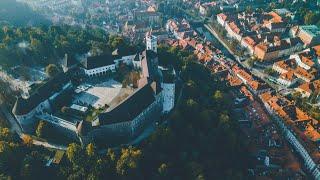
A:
{"points": [[154, 97]]}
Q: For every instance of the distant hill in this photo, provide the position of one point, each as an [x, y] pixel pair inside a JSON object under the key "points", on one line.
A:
{"points": [[19, 14]]}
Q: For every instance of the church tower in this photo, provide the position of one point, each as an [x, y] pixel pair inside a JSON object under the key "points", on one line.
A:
{"points": [[151, 42]]}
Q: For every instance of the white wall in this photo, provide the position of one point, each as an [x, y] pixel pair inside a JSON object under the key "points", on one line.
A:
{"points": [[99, 70], [168, 96], [299, 62]]}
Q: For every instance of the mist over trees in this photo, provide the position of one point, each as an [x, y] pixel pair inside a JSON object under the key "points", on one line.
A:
{"points": [[19, 14]]}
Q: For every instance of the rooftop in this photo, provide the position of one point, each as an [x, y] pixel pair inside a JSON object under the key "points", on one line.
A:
{"points": [[313, 30], [93, 62], [45, 91], [131, 107]]}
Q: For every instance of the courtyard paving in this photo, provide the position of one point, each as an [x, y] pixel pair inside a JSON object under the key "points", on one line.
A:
{"points": [[100, 94]]}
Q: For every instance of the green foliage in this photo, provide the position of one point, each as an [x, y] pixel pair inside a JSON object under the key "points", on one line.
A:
{"points": [[200, 141], [163, 170], [19, 160], [45, 45], [74, 152], [251, 61], [91, 150], [218, 96], [40, 128], [52, 70], [129, 162], [270, 71], [311, 18]]}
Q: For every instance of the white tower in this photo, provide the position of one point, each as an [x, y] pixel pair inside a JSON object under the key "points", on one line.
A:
{"points": [[152, 42], [168, 89], [168, 97]]}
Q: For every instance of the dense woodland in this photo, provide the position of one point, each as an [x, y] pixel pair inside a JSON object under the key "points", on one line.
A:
{"points": [[200, 140], [40, 46]]}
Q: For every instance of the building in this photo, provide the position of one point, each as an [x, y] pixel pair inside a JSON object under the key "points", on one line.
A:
{"points": [[309, 34], [284, 66], [305, 60], [204, 9], [42, 100], [150, 17], [267, 51], [179, 29], [234, 31], [222, 19], [98, 65], [275, 23], [242, 74], [308, 88], [155, 96], [249, 43], [287, 79], [151, 42], [305, 75]]}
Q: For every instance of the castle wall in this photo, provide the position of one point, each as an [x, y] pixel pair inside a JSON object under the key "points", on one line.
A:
{"points": [[132, 128], [28, 121], [65, 132], [125, 59]]}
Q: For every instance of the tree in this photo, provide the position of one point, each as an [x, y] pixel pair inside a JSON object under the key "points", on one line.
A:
{"points": [[27, 140], [5, 134], [310, 18], [90, 150], [52, 70], [111, 155], [163, 170], [35, 44], [134, 78], [269, 71], [64, 109], [40, 128], [117, 42], [32, 166], [128, 162], [296, 96], [191, 106], [218, 95], [251, 62], [74, 153]]}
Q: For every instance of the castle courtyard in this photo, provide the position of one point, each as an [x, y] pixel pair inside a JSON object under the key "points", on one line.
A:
{"points": [[98, 95]]}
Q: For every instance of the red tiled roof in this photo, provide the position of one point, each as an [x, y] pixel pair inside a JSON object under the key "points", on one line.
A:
{"points": [[222, 16], [249, 41], [310, 87], [306, 59], [300, 72], [288, 76], [234, 27], [317, 50]]}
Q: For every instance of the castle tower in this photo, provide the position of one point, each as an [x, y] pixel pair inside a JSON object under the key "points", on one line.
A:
{"points": [[168, 88], [151, 42]]}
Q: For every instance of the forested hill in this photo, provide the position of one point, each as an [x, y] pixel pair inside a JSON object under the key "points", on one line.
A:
{"points": [[200, 140], [43, 45], [18, 14]]}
